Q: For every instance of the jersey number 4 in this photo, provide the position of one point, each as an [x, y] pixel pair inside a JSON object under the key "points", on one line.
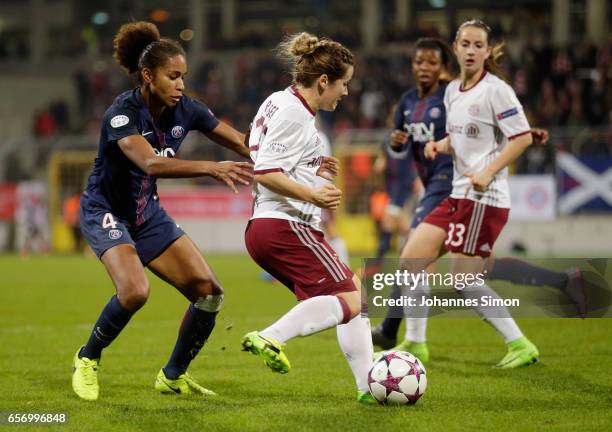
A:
{"points": [[455, 234], [108, 221]]}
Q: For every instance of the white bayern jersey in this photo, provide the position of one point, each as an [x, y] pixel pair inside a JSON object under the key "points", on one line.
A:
{"points": [[480, 121], [284, 138]]}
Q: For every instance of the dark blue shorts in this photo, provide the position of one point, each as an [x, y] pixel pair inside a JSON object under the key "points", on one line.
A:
{"points": [[399, 194], [434, 194], [103, 230]]}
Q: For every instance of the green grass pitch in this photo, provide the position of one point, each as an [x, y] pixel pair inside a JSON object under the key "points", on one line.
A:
{"points": [[48, 305]]}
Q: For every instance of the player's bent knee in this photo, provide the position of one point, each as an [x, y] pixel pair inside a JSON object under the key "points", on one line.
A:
{"points": [[134, 297], [206, 286]]}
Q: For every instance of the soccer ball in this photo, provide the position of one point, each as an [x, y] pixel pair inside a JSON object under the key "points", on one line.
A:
{"points": [[397, 378]]}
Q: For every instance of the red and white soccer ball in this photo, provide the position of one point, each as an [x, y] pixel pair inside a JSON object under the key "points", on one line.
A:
{"points": [[397, 378]]}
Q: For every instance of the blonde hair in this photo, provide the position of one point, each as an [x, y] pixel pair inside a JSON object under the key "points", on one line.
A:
{"points": [[310, 57], [497, 51]]}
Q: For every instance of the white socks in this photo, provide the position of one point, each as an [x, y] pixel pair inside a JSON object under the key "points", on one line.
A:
{"points": [[499, 317], [320, 313], [416, 316], [307, 317], [355, 341]]}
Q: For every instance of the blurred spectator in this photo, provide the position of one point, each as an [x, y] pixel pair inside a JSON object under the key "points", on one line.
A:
{"points": [[44, 124], [558, 86], [59, 111], [71, 216]]}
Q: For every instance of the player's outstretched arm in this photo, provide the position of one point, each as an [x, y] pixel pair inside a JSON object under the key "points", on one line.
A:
{"points": [[140, 152], [326, 196], [230, 138]]}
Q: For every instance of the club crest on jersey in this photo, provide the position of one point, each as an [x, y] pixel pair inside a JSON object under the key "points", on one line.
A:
{"points": [[119, 120], [474, 109], [177, 131], [115, 234], [472, 130], [435, 112]]}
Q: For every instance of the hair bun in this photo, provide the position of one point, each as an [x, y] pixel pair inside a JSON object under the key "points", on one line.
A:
{"points": [[131, 40], [304, 44]]}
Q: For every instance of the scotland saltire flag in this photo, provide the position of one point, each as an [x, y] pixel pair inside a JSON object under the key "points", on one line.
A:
{"points": [[585, 183]]}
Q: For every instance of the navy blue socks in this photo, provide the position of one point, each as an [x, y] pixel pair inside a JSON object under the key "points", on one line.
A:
{"points": [[392, 321], [195, 329], [523, 273], [384, 243], [112, 320]]}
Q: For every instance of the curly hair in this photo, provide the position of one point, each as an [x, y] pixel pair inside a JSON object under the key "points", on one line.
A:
{"points": [[138, 45]]}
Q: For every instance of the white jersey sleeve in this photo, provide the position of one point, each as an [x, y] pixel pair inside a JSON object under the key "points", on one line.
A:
{"points": [[280, 142], [508, 111]]}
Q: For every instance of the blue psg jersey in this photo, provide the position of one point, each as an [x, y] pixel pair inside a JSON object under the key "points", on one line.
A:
{"points": [[399, 167], [425, 120], [116, 183]]}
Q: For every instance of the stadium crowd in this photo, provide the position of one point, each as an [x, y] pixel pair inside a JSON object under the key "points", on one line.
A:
{"points": [[567, 89], [558, 87]]}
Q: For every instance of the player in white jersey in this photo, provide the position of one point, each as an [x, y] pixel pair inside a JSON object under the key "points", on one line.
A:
{"points": [[481, 120], [487, 130], [284, 234], [284, 140]]}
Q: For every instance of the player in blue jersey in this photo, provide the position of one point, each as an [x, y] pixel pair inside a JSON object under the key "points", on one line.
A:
{"points": [[121, 216], [399, 184], [419, 118], [431, 64]]}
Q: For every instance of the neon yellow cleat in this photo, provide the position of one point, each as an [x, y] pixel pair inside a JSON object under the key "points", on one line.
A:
{"points": [[365, 397], [417, 349], [184, 385], [269, 349], [521, 352], [85, 377]]}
